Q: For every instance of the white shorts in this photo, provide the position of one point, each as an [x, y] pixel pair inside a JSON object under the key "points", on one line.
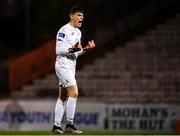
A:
{"points": [[66, 76]]}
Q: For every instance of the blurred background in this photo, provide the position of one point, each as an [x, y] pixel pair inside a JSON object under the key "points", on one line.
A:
{"points": [[136, 59]]}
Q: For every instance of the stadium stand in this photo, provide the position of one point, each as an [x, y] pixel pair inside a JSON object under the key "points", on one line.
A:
{"points": [[144, 70]]}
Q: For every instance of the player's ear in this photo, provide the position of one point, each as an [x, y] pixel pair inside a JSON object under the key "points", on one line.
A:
{"points": [[71, 16]]}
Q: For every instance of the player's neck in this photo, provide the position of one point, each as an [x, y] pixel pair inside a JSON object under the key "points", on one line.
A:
{"points": [[72, 24]]}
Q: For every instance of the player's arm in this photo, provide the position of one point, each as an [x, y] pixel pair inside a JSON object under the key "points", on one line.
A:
{"points": [[61, 49], [61, 44], [75, 48], [80, 51]]}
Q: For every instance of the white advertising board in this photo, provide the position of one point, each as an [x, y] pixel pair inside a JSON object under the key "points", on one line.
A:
{"points": [[141, 117], [39, 115]]}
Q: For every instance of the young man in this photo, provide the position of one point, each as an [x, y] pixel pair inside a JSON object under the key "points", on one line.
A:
{"points": [[68, 48]]}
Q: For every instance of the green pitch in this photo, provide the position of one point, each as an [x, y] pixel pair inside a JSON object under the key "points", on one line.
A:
{"points": [[84, 133]]}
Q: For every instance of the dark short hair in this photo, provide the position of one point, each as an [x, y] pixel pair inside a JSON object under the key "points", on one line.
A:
{"points": [[76, 9]]}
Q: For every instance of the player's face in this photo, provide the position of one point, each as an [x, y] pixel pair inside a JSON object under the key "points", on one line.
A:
{"points": [[77, 19]]}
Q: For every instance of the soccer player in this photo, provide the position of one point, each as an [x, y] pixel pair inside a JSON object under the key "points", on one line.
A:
{"points": [[68, 48]]}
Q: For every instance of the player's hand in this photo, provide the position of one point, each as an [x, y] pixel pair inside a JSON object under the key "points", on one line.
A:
{"points": [[75, 48], [90, 45]]}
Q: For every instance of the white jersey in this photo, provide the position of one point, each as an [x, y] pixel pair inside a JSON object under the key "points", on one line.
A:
{"points": [[65, 64], [66, 37]]}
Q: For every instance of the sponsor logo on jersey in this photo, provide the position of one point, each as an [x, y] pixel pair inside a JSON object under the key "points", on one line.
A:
{"points": [[61, 35]]}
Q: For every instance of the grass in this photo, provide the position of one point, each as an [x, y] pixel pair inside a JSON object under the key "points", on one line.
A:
{"points": [[84, 133]]}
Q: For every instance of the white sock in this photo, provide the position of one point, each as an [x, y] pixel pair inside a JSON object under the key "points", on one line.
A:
{"points": [[70, 109], [59, 112]]}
